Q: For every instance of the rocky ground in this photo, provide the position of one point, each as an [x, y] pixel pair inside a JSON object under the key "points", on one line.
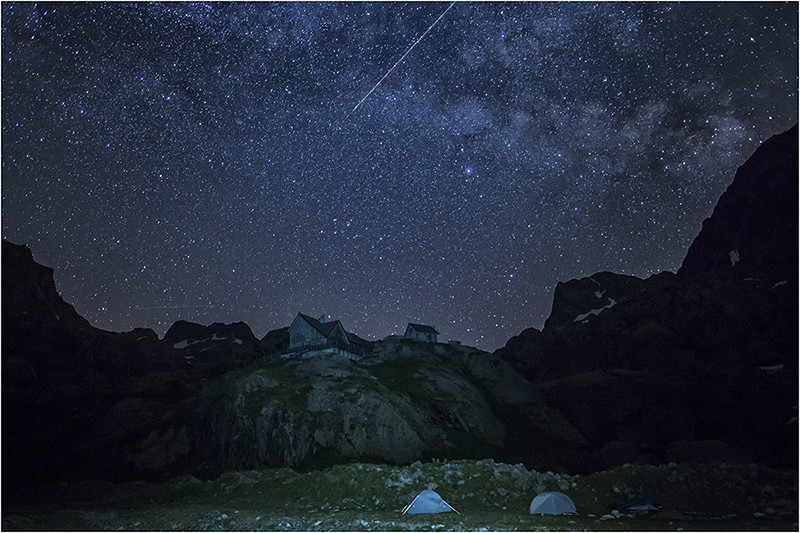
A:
{"points": [[489, 496]]}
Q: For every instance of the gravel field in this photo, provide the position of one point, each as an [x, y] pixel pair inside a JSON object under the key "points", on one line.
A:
{"points": [[489, 496]]}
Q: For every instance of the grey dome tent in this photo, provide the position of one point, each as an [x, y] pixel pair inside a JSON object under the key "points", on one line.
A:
{"points": [[552, 503], [428, 501]]}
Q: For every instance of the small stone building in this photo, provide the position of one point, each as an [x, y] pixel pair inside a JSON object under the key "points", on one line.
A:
{"points": [[421, 332]]}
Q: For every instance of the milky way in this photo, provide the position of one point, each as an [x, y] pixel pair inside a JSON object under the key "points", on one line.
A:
{"points": [[204, 162]]}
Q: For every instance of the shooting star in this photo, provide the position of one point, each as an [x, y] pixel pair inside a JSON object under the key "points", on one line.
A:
{"points": [[404, 55]]}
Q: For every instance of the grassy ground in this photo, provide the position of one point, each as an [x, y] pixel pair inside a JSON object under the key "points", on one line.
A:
{"points": [[359, 497]]}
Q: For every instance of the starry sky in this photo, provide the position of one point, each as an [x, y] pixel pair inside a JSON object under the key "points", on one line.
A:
{"points": [[204, 161]]}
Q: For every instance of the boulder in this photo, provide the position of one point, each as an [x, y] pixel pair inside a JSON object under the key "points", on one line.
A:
{"points": [[616, 453]]}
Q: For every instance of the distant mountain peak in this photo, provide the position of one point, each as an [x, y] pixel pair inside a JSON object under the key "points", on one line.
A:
{"points": [[753, 230], [183, 334]]}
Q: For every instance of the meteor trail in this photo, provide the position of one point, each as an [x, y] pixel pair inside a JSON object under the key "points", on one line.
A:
{"points": [[404, 55]]}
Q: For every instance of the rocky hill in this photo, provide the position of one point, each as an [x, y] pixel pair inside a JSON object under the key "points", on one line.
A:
{"points": [[694, 367], [405, 401]]}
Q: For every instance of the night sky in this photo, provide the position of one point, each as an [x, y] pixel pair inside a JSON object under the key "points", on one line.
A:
{"points": [[204, 162]]}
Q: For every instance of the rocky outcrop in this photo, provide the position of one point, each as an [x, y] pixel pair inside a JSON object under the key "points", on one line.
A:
{"points": [[580, 300], [405, 401], [753, 231], [30, 298]]}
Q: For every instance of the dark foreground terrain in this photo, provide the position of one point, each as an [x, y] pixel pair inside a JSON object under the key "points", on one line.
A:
{"points": [[357, 497]]}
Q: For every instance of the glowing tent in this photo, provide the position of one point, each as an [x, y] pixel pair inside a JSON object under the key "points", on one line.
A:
{"points": [[552, 503], [428, 501]]}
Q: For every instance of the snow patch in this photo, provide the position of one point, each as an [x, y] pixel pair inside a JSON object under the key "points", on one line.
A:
{"points": [[238, 341], [599, 292], [771, 369], [780, 283], [580, 318], [183, 344], [734, 255]]}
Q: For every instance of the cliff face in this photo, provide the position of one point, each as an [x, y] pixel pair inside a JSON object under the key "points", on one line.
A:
{"points": [[694, 366], [580, 300], [30, 298], [63, 378], [753, 230]]}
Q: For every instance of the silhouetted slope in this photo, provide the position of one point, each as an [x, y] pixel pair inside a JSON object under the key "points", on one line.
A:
{"points": [[62, 379], [753, 231]]}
